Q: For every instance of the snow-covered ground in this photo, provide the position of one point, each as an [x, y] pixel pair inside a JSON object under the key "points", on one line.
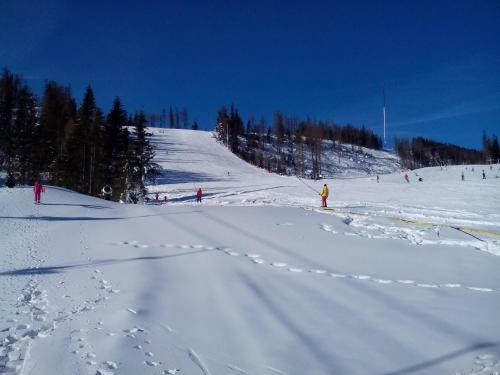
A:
{"points": [[396, 278]]}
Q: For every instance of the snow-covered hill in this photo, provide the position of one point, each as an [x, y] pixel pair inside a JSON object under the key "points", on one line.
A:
{"points": [[256, 279], [339, 160]]}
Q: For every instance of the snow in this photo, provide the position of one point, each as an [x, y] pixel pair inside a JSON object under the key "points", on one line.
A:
{"points": [[257, 279]]}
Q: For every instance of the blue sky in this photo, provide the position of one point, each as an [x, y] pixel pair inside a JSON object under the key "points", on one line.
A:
{"points": [[439, 60]]}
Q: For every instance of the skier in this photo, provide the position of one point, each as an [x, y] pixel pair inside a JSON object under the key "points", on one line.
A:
{"points": [[463, 177], [38, 189], [324, 195], [377, 179], [484, 175], [407, 179], [198, 195], [107, 192]]}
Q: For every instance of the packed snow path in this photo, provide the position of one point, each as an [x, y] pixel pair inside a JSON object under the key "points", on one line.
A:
{"points": [[108, 288]]}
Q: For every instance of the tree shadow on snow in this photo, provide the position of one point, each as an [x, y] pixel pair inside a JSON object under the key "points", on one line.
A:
{"points": [[424, 319], [172, 176], [90, 218], [94, 206], [101, 262], [63, 218]]}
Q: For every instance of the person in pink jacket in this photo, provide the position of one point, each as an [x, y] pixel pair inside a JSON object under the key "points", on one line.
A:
{"points": [[38, 189]]}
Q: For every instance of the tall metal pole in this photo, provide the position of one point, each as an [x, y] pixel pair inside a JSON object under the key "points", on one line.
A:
{"points": [[227, 134], [384, 115]]}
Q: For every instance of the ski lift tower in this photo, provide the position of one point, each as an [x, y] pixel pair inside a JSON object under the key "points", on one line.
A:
{"points": [[383, 91]]}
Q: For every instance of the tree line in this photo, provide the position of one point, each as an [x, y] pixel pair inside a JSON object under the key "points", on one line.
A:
{"points": [[420, 152], [292, 139], [175, 119], [491, 148], [77, 147]]}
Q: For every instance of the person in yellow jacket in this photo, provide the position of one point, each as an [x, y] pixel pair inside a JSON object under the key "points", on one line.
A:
{"points": [[324, 195]]}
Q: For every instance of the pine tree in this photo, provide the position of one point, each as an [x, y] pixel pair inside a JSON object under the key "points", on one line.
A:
{"points": [[95, 179], [279, 132], [495, 149], [236, 129], [163, 118], [9, 85], [177, 119], [114, 148], [140, 167], [171, 118], [184, 118], [80, 151], [222, 125], [25, 123], [58, 111]]}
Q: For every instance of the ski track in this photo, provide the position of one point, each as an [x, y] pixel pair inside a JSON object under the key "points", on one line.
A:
{"points": [[256, 259]]}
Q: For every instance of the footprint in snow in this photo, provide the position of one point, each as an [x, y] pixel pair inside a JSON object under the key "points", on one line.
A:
{"points": [[451, 285], [253, 255], [232, 253], [383, 281], [406, 281], [278, 264], [361, 277], [328, 228], [297, 270], [258, 261], [340, 276], [427, 285], [111, 365], [320, 272], [480, 289]]}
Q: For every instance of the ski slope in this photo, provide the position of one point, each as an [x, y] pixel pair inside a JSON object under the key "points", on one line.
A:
{"points": [[256, 279]]}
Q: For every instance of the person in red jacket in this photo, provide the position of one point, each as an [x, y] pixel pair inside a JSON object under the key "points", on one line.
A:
{"points": [[198, 195], [38, 189]]}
